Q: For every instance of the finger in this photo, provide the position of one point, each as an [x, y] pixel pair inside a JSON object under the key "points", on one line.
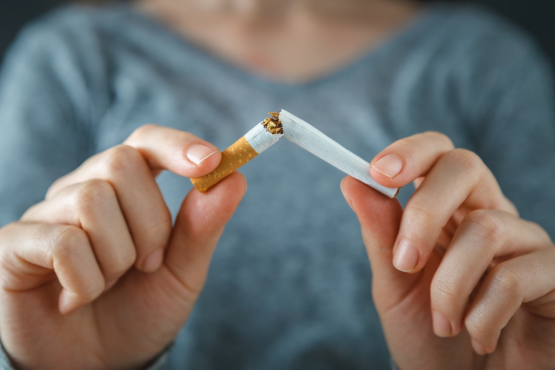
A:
{"points": [[458, 177], [505, 288], [130, 168], [31, 251], [198, 227], [143, 206], [417, 182], [407, 159], [481, 237], [162, 148], [180, 152], [411, 159], [379, 218], [92, 206]]}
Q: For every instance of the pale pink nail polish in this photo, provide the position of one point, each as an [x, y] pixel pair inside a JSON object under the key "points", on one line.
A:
{"points": [[153, 262], [198, 153], [478, 348], [66, 302], [406, 256], [390, 165], [442, 326]]}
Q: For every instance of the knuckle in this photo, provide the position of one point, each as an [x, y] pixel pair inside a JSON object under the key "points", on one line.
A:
{"points": [[486, 225], [93, 289], [121, 158], [477, 326], [420, 211], [93, 192], [505, 282], [157, 232], [120, 263], [439, 137], [142, 131], [66, 238], [443, 291], [467, 159]]}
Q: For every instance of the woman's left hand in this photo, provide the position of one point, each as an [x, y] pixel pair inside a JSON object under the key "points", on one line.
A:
{"points": [[459, 280]]}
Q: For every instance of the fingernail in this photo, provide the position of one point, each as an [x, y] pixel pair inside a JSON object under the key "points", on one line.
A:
{"points": [[198, 153], [152, 263], [389, 166], [65, 303], [406, 256], [442, 326], [477, 347]]}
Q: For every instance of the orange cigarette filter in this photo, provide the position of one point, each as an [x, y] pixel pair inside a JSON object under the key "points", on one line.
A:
{"points": [[260, 138], [237, 155]]}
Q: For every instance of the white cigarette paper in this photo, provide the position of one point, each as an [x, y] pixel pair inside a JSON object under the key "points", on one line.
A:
{"points": [[238, 154], [309, 138], [260, 139]]}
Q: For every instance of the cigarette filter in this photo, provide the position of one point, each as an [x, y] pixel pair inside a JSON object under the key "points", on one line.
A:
{"points": [[307, 137], [257, 140]]}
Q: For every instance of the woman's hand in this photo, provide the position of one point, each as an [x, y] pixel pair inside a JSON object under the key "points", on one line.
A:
{"points": [[95, 277], [459, 280]]}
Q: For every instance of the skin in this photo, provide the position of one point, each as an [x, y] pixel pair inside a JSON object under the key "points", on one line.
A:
{"points": [[100, 264], [75, 264], [289, 41], [487, 272]]}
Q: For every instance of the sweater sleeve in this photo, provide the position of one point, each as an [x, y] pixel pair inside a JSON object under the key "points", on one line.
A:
{"points": [[159, 363]]}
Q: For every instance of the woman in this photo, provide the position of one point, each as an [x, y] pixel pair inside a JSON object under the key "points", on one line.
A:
{"points": [[96, 275]]}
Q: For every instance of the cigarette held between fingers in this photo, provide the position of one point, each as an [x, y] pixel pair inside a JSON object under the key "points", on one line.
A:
{"points": [[309, 138], [241, 152], [294, 129]]}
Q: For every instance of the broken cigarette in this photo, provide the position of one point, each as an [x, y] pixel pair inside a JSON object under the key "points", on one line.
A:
{"points": [[281, 124], [309, 138], [257, 140]]}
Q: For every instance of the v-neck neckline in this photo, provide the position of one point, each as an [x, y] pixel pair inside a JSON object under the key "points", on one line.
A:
{"points": [[403, 33]]}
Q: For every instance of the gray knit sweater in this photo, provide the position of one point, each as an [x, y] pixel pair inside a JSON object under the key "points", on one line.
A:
{"points": [[297, 296]]}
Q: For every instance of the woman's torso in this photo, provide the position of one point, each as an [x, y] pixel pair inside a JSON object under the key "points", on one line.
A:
{"points": [[290, 284]]}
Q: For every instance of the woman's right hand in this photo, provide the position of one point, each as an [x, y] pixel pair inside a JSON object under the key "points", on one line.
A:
{"points": [[95, 276]]}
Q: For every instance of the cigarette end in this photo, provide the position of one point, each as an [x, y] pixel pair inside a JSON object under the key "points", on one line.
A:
{"points": [[233, 157], [273, 124], [239, 153]]}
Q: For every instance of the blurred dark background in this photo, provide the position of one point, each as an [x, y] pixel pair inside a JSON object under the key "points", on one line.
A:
{"points": [[535, 16]]}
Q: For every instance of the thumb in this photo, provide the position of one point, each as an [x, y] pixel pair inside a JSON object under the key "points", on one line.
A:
{"points": [[379, 219], [198, 227]]}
